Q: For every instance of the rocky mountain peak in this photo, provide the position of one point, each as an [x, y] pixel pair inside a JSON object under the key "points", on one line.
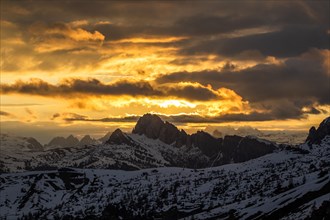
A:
{"points": [[315, 136], [208, 144], [153, 127], [118, 137], [34, 144], [105, 137], [72, 141], [57, 141], [150, 125], [86, 140]]}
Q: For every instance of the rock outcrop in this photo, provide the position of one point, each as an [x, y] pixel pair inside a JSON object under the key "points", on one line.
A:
{"points": [[209, 145], [152, 126], [105, 137], [232, 148], [57, 141], [87, 140], [70, 141], [34, 144], [251, 147], [315, 136], [118, 137]]}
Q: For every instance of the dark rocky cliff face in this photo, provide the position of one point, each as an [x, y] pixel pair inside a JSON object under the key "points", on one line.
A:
{"points": [[118, 137], [169, 133], [250, 148], [34, 144], [233, 148], [315, 136], [153, 127], [229, 147], [209, 145], [149, 125]]}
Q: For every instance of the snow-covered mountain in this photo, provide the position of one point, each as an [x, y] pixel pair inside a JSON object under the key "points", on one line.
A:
{"points": [[292, 183], [153, 143], [16, 151], [289, 183]]}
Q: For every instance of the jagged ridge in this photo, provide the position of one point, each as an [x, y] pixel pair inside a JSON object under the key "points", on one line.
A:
{"points": [[235, 148]]}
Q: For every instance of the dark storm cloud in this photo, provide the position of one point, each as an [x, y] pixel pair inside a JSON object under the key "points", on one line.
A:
{"points": [[108, 119], [287, 42], [71, 88], [280, 112], [191, 118], [301, 77], [231, 29], [181, 118], [171, 118], [71, 117], [212, 28], [169, 18], [191, 92], [280, 90]]}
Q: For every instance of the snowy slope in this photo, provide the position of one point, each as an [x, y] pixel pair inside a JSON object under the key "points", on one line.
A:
{"points": [[141, 153], [287, 184], [15, 152], [144, 148], [138, 153]]}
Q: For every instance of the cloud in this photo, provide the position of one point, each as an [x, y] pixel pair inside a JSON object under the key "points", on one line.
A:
{"points": [[7, 114], [63, 30], [69, 117], [72, 88], [32, 115], [82, 34], [191, 92], [287, 42], [283, 89], [72, 117], [62, 36], [20, 104], [56, 115], [131, 19], [106, 38], [304, 77], [190, 118]]}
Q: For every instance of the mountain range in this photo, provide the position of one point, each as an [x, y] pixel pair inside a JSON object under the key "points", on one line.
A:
{"points": [[70, 141], [152, 143], [161, 172]]}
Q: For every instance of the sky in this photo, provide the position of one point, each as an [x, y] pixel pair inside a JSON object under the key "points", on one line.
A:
{"points": [[83, 66]]}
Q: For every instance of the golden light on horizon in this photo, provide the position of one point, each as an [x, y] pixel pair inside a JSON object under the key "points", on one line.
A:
{"points": [[96, 66]]}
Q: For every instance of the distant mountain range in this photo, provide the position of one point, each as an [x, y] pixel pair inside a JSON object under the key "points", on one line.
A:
{"points": [[70, 141], [261, 180], [152, 143], [279, 136]]}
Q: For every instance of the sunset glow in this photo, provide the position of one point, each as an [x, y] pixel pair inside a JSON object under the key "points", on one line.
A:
{"points": [[64, 66]]}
